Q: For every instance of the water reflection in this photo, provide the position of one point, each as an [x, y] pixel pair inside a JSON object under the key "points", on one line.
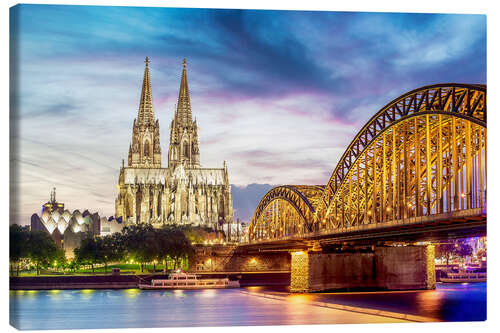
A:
{"points": [[299, 298], [430, 302], [71, 309], [86, 293], [207, 293], [132, 293], [179, 293], [448, 302]]}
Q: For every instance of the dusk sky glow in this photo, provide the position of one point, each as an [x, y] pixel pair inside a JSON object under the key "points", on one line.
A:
{"points": [[279, 95]]}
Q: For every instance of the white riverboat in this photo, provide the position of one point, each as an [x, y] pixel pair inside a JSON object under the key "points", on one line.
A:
{"points": [[464, 277], [183, 280]]}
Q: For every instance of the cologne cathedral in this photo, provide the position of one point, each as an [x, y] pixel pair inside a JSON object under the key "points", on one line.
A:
{"points": [[182, 193]]}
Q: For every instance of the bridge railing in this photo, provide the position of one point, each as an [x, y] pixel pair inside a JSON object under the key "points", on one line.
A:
{"points": [[459, 214]]}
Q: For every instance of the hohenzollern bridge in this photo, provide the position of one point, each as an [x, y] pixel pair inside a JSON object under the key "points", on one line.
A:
{"points": [[415, 172]]}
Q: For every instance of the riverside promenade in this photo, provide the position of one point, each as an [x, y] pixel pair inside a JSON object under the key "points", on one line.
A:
{"points": [[131, 281]]}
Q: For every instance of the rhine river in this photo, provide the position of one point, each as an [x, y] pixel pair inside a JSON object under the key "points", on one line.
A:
{"points": [[87, 309]]}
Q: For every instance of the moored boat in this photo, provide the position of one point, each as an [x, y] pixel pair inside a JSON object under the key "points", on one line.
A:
{"points": [[183, 280]]}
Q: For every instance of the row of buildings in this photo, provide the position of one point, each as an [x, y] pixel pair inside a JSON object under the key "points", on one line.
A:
{"points": [[182, 193]]}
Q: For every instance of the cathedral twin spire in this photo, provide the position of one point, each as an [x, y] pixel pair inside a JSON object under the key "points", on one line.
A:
{"points": [[146, 113], [183, 112], [183, 149], [145, 151]]}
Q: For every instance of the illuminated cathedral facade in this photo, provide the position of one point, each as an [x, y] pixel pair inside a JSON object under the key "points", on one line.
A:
{"points": [[182, 193]]}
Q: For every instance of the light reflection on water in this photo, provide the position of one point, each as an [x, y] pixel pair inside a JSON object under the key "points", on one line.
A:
{"points": [[132, 293], [66, 309], [448, 302], [79, 309], [299, 298]]}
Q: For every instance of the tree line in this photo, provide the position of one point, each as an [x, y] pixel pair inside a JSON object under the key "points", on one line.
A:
{"points": [[36, 246], [458, 248], [141, 243]]}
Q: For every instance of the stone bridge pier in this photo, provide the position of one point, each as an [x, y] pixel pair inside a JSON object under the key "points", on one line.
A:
{"points": [[391, 268], [385, 267]]}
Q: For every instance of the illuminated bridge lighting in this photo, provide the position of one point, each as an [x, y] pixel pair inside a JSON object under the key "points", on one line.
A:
{"points": [[421, 155]]}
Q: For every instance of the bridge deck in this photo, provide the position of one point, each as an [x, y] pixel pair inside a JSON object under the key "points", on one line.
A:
{"points": [[433, 227]]}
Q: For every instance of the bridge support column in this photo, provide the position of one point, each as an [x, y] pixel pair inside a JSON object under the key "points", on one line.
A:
{"points": [[389, 268], [406, 267], [299, 272]]}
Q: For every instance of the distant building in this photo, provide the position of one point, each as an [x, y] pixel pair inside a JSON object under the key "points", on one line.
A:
{"points": [[110, 226], [52, 204], [182, 193], [66, 228]]}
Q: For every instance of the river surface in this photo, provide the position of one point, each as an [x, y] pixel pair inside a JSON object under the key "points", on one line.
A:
{"points": [[86, 309]]}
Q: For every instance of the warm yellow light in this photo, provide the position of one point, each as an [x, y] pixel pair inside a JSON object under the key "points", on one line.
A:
{"points": [[388, 209], [298, 253], [462, 195], [369, 212]]}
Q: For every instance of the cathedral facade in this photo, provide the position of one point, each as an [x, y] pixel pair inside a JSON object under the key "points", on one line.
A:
{"points": [[181, 193]]}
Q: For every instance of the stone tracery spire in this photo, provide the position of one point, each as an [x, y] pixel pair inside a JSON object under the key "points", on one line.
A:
{"points": [[184, 103], [146, 113], [184, 147], [145, 148]]}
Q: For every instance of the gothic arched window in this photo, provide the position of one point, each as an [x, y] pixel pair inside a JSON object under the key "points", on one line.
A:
{"points": [[146, 148], [185, 149]]}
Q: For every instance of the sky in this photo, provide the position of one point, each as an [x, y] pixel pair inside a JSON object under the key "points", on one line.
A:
{"points": [[278, 95]]}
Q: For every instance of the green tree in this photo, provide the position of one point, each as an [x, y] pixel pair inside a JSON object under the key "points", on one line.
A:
{"points": [[163, 245], [196, 234], [178, 245], [41, 249], [18, 245], [139, 242], [457, 248], [59, 259], [89, 251], [110, 249]]}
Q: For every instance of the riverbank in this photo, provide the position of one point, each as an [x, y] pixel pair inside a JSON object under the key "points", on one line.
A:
{"points": [[131, 281]]}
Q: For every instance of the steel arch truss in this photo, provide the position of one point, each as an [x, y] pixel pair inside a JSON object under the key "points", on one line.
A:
{"points": [[462, 101], [424, 165], [422, 154], [284, 211]]}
